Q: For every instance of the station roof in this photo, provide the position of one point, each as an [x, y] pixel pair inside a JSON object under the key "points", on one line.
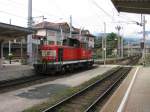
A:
{"points": [[132, 6], [12, 31]]}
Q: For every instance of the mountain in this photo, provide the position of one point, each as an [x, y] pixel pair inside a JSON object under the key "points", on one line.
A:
{"points": [[135, 41], [133, 38]]}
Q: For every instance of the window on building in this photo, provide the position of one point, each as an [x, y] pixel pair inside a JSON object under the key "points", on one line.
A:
{"points": [[58, 43], [84, 45], [51, 42]]}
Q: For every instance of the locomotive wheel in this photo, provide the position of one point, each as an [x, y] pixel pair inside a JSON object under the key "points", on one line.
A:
{"points": [[53, 72], [63, 70], [71, 68]]}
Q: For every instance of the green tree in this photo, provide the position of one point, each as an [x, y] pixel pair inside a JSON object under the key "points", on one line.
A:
{"points": [[112, 43], [98, 42], [98, 47]]}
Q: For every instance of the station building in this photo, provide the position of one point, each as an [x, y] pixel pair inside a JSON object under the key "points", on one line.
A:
{"points": [[13, 40], [55, 33]]}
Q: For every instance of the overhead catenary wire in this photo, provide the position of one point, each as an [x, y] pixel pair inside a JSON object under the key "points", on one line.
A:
{"points": [[105, 12], [21, 5], [99, 7], [48, 15], [34, 9], [45, 13], [8, 13], [111, 16], [101, 22]]}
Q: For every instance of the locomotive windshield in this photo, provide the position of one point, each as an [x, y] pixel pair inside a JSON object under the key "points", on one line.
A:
{"points": [[71, 42]]}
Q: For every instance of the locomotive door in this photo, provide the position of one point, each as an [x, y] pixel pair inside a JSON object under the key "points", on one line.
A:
{"points": [[60, 54]]}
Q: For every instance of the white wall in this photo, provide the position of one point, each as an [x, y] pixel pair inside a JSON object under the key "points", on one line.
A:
{"points": [[91, 42], [41, 32]]}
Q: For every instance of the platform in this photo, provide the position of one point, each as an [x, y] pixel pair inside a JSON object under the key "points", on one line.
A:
{"points": [[15, 70], [139, 98], [27, 97], [135, 99]]}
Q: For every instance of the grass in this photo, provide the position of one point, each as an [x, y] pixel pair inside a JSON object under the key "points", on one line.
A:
{"points": [[147, 61], [66, 93]]}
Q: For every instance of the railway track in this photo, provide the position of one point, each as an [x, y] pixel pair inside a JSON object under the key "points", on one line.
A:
{"points": [[124, 61], [87, 99], [9, 85]]}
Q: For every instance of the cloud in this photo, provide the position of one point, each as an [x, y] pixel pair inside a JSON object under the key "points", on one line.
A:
{"points": [[84, 13]]}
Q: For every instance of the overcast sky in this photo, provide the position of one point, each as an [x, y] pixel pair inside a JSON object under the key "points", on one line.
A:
{"points": [[87, 14]]}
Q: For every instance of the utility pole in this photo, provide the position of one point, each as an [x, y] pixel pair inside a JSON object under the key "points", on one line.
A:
{"points": [[29, 13], [70, 26], [2, 46], [143, 49], [61, 33], [10, 54], [21, 50], [105, 44], [10, 21], [68, 41], [1, 56], [128, 49], [80, 34], [9, 47], [118, 28], [122, 42], [29, 38]]}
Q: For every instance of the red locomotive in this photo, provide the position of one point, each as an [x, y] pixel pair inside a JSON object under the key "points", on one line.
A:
{"points": [[59, 58]]}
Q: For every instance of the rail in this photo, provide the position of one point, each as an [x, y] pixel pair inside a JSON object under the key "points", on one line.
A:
{"points": [[65, 104]]}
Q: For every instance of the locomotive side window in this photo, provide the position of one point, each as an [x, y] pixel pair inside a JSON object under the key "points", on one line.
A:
{"points": [[44, 53], [49, 53]]}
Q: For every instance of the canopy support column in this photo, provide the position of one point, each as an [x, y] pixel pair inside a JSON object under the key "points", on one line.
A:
{"points": [[1, 54]]}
